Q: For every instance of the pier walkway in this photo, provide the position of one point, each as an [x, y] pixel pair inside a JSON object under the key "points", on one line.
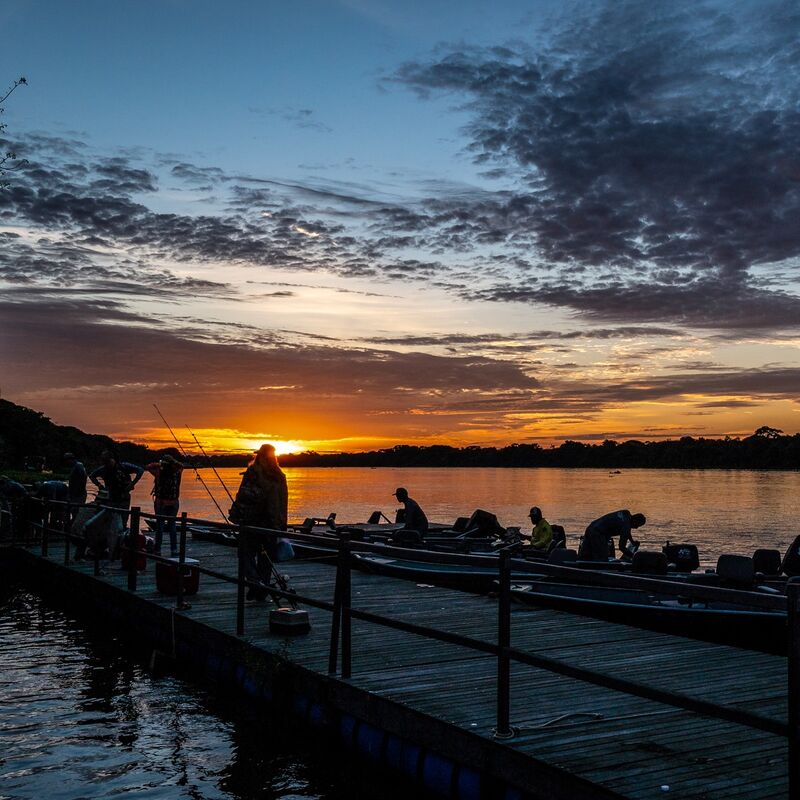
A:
{"points": [[428, 708]]}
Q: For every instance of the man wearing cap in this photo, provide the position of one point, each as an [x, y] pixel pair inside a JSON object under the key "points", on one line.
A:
{"points": [[597, 543], [542, 533], [415, 519]]}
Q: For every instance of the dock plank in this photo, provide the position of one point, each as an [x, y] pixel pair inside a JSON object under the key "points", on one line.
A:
{"points": [[628, 745]]}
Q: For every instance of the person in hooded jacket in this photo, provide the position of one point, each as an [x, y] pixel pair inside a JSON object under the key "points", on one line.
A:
{"points": [[262, 501]]}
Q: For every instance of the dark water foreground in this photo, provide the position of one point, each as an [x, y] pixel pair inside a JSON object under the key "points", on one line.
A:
{"points": [[81, 717]]}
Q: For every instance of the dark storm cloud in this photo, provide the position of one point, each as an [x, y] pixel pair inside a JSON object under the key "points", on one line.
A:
{"points": [[730, 302], [445, 339], [56, 267], [658, 143], [649, 165], [41, 352]]}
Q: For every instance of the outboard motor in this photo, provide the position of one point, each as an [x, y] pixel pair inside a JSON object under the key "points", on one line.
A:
{"points": [[684, 556], [791, 561]]}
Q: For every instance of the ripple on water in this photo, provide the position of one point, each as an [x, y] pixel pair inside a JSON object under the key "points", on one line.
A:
{"points": [[80, 718]]}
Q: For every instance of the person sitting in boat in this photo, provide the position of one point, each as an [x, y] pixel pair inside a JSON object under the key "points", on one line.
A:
{"points": [[597, 543], [414, 519], [542, 533], [262, 501]]}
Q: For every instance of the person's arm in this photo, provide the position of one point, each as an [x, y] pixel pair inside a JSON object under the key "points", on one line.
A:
{"points": [[625, 536], [94, 475], [153, 468], [133, 469]]}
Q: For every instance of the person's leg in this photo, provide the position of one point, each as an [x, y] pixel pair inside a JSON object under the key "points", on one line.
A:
{"points": [[157, 507], [173, 534]]}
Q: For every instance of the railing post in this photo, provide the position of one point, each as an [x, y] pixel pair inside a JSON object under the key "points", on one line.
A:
{"points": [[45, 526], [133, 547], [346, 598], [241, 545], [504, 729], [67, 528], [337, 613], [793, 622], [181, 561]]}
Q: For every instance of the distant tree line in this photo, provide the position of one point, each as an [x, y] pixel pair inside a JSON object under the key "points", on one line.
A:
{"points": [[28, 438], [767, 448]]}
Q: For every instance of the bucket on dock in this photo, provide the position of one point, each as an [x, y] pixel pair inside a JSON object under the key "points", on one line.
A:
{"points": [[289, 621], [167, 576]]}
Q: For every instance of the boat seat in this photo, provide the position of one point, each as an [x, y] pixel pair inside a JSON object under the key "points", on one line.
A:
{"points": [[559, 538], [374, 518], [406, 538], [767, 562], [307, 526], [735, 571], [562, 555], [650, 562], [460, 525], [684, 557]]}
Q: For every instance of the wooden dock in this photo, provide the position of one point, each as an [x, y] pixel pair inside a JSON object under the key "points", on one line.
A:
{"points": [[428, 708]]}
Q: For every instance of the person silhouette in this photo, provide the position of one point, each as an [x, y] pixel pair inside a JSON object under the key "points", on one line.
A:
{"points": [[415, 519]]}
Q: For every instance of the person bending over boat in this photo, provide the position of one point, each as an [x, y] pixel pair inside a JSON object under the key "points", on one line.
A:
{"points": [[597, 543], [166, 499], [414, 519], [262, 501], [542, 533]]}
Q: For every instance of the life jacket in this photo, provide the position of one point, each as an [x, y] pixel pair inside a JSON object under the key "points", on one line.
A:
{"points": [[118, 482], [167, 484]]}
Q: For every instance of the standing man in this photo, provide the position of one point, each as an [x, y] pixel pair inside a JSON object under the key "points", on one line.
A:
{"points": [[166, 499], [118, 479], [597, 543], [415, 519], [76, 481]]}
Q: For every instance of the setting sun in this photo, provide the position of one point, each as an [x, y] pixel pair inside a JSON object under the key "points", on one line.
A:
{"points": [[281, 447]]}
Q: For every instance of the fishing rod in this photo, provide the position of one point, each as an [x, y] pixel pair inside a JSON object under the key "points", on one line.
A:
{"points": [[219, 477], [278, 577], [186, 458]]}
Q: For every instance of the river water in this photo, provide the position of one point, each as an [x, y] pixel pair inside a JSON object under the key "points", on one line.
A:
{"points": [[722, 511], [80, 717]]}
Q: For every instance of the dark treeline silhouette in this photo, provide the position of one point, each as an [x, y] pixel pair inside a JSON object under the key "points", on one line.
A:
{"points": [[29, 439], [767, 448], [28, 436]]}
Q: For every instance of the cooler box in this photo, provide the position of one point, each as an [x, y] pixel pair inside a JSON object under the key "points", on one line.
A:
{"points": [[167, 576]]}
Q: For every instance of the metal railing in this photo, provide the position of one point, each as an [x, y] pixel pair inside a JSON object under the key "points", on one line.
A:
{"points": [[341, 641]]}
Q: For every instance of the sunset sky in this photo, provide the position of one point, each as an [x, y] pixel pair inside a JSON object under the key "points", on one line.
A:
{"points": [[347, 225]]}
